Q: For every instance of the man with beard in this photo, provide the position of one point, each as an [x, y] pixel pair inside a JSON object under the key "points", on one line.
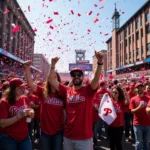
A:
{"points": [[141, 120], [79, 103], [147, 91]]}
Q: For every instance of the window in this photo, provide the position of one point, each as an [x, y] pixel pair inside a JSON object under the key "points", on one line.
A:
{"points": [[148, 29], [132, 38], [132, 26], [126, 33], [129, 40], [137, 35], [141, 20], [148, 46], [142, 50], [129, 54], [137, 52], [137, 23], [120, 37], [125, 43], [147, 17], [129, 30], [141, 32]]}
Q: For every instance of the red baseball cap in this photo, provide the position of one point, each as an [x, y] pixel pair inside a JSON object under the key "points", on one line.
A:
{"points": [[16, 82], [5, 85], [76, 69], [132, 85], [102, 83], [138, 84]]}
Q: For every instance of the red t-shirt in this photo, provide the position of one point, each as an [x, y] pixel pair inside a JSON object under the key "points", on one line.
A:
{"points": [[79, 105], [18, 130], [148, 103], [119, 108], [97, 99], [140, 117], [147, 94], [36, 101], [51, 115]]}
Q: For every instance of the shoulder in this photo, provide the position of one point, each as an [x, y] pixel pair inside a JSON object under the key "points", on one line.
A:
{"points": [[3, 102], [134, 98]]}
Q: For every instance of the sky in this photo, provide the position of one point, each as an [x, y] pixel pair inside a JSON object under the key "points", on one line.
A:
{"points": [[73, 28]]}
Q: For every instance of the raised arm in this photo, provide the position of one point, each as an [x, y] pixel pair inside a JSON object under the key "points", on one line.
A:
{"points": [[94, 82], [52, 76], [30, 83]]}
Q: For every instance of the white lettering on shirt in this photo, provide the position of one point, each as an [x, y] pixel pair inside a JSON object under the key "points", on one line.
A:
{"points": [[138, 103], [54, 101], [76, 99], [14, 110]]}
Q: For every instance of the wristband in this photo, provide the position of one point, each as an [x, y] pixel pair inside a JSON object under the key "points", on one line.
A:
{"points": [[100, 63]]}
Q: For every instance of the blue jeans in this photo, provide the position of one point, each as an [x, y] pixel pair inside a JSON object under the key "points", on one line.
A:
{"points": [[8, 143], [52, 142], [99, 127], [142, 137]]}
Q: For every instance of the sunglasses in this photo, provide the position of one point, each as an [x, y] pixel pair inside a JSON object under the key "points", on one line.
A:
{"points": [[115, 93], [76, 75]]}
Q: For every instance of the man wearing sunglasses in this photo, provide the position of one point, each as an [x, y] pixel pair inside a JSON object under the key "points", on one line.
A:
{"points": [[78, 133]]}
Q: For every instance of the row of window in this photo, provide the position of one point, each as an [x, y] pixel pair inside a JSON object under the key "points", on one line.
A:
{"points": [[138, 23]]}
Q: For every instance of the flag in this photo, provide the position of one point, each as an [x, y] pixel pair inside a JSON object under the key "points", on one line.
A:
{"points": [[106, 110]]}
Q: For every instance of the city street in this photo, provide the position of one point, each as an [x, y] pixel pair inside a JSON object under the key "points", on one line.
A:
{"points": [[102, 145]]}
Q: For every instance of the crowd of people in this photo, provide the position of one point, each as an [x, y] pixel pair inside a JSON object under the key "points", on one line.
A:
{"points": [[65, 115]]}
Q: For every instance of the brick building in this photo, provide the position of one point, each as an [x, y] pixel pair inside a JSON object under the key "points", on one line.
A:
{"points": [[105, 62], [20, 43], [129, 47], [41, 63]]}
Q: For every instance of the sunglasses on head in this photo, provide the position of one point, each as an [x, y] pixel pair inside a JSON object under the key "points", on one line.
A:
{"points": [[76, 74]]}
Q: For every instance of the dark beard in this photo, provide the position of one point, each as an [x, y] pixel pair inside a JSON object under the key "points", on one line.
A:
{"points": [[78, 83], [140, 92]]}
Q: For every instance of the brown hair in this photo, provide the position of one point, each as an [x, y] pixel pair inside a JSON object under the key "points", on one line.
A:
{"points": [[10, 94], [121, 96], [47, 88]]}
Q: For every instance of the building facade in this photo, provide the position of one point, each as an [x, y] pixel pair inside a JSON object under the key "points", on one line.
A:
{"points": [[129, 47], [41, 63], [21, 43], [104, 65]]}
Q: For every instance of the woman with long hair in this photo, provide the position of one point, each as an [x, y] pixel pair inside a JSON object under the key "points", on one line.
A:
{"points": [[13, 124], [115, 130], [51, 115]]}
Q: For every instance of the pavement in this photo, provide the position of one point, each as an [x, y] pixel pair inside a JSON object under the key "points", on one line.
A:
{"points": [[102, 145]]}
